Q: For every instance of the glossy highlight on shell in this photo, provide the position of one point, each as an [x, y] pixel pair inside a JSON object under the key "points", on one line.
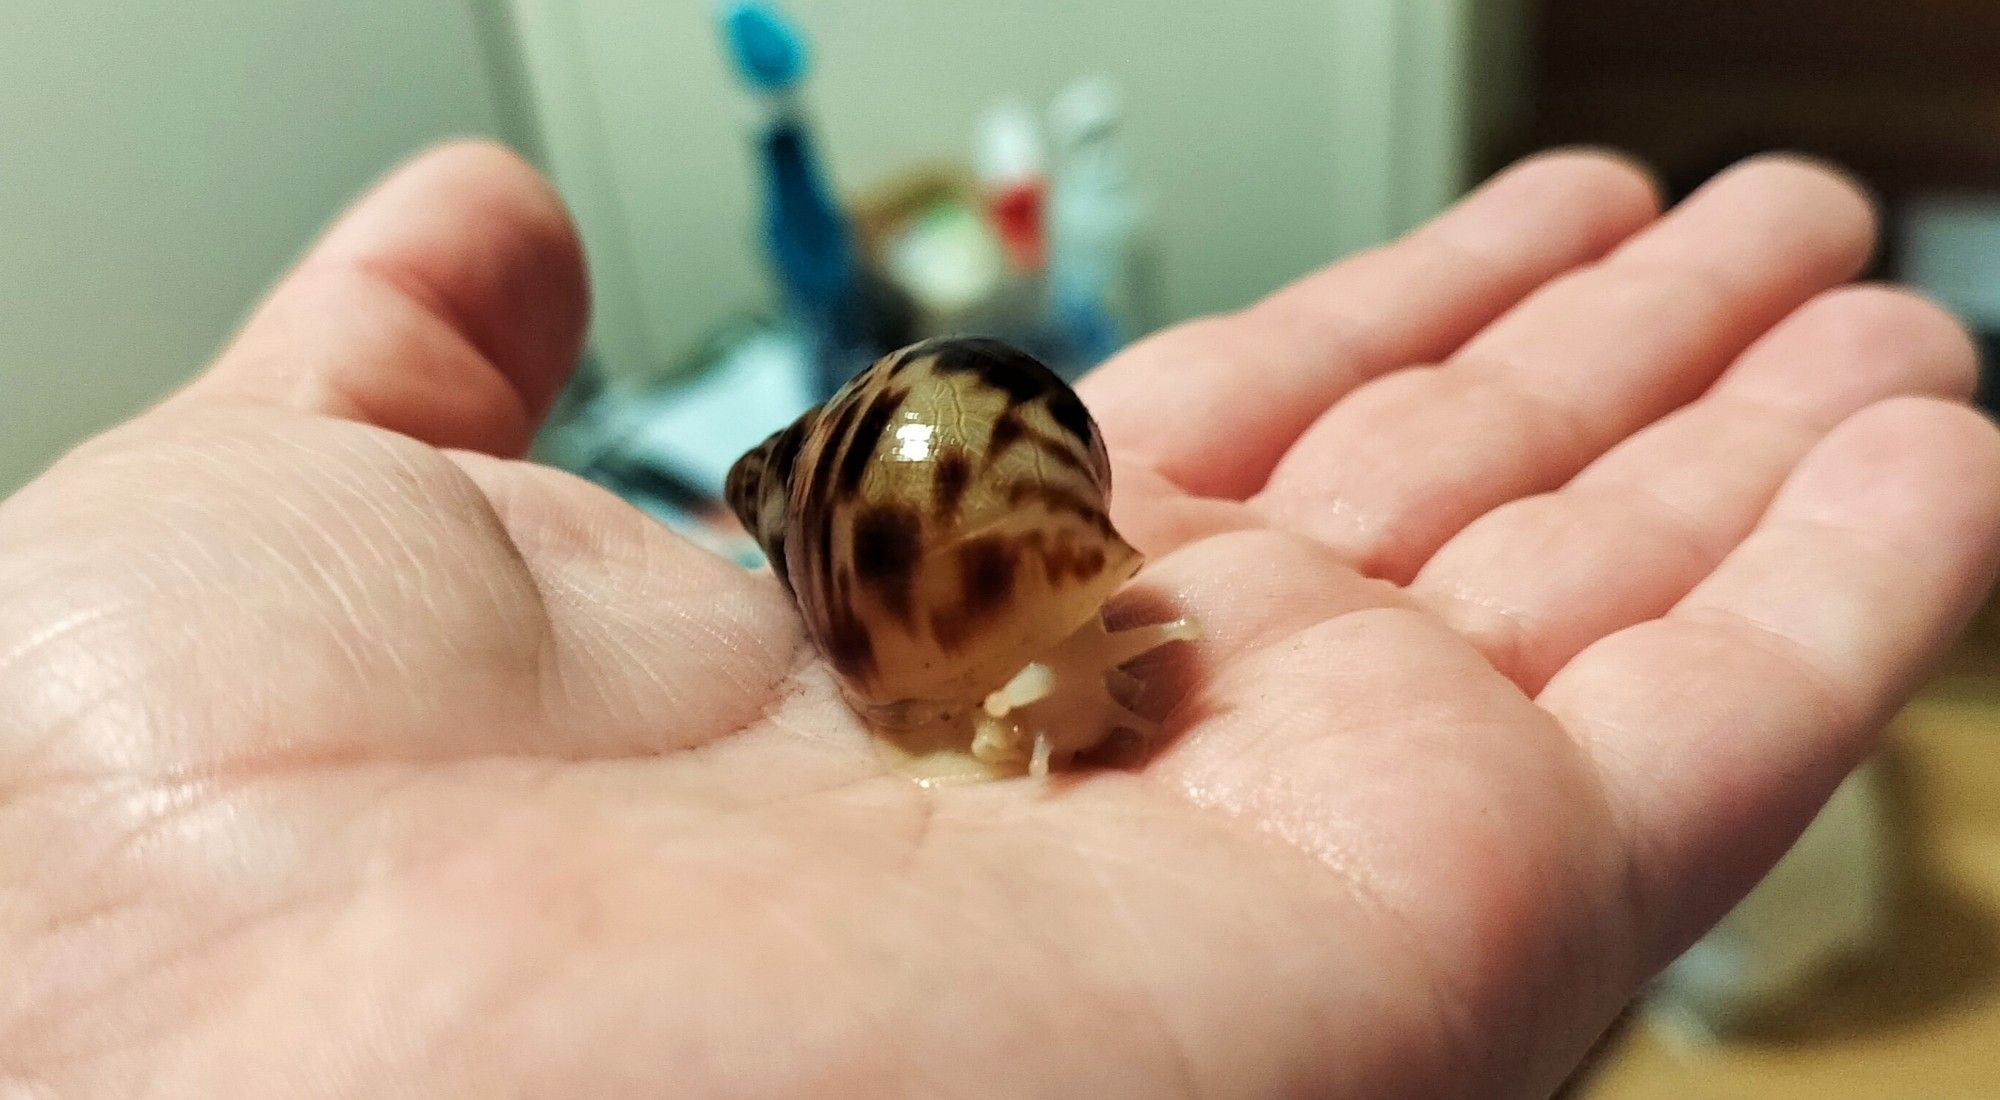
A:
{"points": [[943, 525]]}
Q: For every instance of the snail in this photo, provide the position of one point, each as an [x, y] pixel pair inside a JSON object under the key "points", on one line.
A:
{"points": [[942, 524]]}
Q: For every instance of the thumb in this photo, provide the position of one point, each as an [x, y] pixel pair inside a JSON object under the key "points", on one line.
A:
{"points": [[448, 304]]}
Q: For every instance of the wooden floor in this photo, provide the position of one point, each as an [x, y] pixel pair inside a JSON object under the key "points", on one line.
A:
{"points": [[1921, 1018]]}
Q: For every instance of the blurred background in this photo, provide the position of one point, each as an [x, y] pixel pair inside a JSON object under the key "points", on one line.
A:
{"points": [[767, 195]]}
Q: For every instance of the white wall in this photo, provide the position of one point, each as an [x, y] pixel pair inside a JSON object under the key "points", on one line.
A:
{"points": [[161, 162]]}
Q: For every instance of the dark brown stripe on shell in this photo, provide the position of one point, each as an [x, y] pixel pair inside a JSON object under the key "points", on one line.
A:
{"points": [[888, 543], [1069, 414], [1064, 455], [1007, 431], [849, 646], [1016, 373], [908, 357], [950, 478], [986, 574], [987, 567], [815, 503], [950, 628], [867, 437], [1054, 498], [828, 458]]}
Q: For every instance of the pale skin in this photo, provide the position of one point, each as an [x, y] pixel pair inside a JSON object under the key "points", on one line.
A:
{"points": [[1554, 562]]}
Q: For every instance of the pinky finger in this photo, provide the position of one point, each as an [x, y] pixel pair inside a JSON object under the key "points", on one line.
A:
{"points": [[1721, 728]]}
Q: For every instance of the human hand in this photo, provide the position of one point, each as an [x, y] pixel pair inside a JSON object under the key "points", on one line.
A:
{"points": [[341, 754]]}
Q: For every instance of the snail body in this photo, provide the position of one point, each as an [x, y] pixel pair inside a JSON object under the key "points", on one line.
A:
{"points": [[942, 523]]}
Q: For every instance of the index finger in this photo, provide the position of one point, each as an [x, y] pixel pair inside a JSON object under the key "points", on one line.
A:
{"points": [[1214, 403]]}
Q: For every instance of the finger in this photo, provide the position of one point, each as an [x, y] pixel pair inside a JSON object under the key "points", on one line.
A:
{"points": [[1213, 404], [1388, 475], [1535, 581], [1720, 728], [1157, 517], [448, 304]]}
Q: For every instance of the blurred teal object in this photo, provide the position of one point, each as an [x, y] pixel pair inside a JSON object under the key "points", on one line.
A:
{"points": [[849, 317], [765, 48], [1094, 220]]}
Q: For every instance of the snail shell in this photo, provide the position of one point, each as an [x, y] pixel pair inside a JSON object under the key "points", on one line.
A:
{"points": [[942, 523]]}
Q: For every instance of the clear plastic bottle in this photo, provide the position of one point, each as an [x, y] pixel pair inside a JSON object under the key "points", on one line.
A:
{"points": [[1096, 265]]}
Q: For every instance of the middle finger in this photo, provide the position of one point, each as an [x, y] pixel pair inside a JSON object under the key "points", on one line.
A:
{"points": [[1387, 476]]}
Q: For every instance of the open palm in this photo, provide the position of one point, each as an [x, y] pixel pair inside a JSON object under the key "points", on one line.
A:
{"points": [[341, 755]]}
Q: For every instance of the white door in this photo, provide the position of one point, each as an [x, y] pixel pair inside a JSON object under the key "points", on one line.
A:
{"points": [[1272, 135]]}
